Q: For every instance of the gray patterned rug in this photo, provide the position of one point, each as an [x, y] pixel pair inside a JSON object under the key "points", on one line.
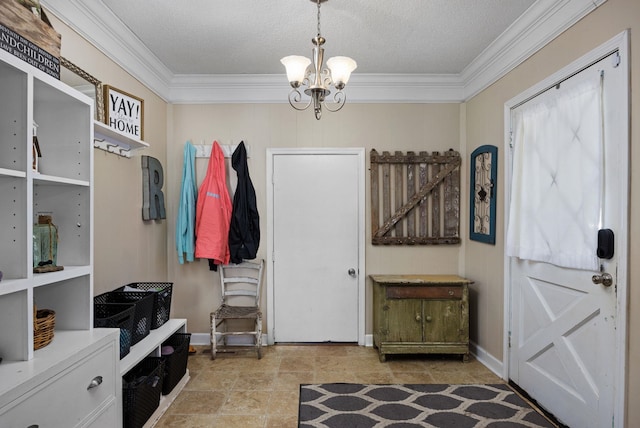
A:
{"points": [[348, 405]]}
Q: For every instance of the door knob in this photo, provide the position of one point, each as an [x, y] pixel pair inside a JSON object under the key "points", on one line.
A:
{"points": [[96, 381], [352, 272], [604, 278]]}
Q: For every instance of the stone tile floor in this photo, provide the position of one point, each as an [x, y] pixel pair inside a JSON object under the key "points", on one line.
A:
{"points": [[238, 390]]}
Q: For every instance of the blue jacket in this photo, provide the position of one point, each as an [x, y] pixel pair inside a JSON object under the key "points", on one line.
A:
{"points": [[185, 223]]}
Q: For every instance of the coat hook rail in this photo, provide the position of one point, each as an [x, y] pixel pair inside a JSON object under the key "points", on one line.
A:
{"points": [[204, 150], [109, 147]]}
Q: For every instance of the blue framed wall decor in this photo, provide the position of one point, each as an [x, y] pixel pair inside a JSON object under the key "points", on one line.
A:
{"points": [[482, 206]]}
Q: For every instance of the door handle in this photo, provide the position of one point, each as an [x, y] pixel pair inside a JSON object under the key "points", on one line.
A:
{"points": [[95, 382], [352, 272], [604, 278]]}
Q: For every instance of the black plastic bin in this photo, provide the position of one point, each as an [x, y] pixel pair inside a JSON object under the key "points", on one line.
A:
{"points": [[141, 391], [175, 363], [116, 315], [162, 299], [143, 313]]}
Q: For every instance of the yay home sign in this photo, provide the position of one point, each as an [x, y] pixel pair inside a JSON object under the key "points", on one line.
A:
{"points": [[124, 112]]}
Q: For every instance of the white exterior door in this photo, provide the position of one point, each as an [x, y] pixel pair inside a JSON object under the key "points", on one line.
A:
{"points": [[316, 250], [566, 346]]}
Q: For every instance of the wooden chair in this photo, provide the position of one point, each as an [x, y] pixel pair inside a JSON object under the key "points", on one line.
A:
{"points": [[240, 285]]}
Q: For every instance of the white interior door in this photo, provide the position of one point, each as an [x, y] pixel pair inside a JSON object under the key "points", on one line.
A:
{"points": [[566, 332], [316, 250]]}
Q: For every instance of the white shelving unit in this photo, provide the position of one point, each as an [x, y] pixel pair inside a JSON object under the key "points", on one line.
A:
{"points": [[63, 188], [55, 379], [150, 346]]}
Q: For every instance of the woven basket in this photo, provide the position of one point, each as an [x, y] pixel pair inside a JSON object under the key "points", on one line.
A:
{"points": [[44, 321]]}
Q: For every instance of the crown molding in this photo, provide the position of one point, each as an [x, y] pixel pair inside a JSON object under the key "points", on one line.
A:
{"points": [[273, 88], [99, 26], [405, 88], [540, 24], [227, 88]]}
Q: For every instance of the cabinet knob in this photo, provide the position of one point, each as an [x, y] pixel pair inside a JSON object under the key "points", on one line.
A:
{"points": [[96, 381], [418, 317], [428, 318]]}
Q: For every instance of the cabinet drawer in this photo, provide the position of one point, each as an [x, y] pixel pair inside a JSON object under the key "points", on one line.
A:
{"points": [[107, 418], [424, 292], [66, 399]]}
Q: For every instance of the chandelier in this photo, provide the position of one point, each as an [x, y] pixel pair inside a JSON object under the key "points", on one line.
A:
{"points": [[318, 79]]}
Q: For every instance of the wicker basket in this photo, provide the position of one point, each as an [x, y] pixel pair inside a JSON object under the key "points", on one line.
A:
{"points": [[44, 321]]}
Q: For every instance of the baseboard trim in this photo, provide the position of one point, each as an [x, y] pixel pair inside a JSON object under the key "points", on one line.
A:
{"points": [[200, 339], [488, 360], [478, 352], [368, 340], [203, 339]]}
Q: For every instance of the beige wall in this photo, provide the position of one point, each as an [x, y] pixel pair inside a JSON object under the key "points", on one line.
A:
{"points": [[431, 127], [485, 125], [126, 248]]}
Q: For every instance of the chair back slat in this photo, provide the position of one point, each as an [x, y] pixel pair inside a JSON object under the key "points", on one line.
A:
{"points": [[242, 279]]}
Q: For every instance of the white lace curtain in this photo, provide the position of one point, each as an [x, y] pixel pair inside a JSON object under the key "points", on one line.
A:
{"points": [[556, 191]]}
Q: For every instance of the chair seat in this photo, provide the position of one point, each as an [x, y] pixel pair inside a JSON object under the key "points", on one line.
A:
{"points": [[237, 312]]}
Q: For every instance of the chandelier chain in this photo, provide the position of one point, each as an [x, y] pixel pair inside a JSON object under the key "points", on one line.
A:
{"points": [[318, 18]]}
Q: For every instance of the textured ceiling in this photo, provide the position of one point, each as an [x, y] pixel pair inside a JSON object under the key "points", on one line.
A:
{"points": [[383, 36]]}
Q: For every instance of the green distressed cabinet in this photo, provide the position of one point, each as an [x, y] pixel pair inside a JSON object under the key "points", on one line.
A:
{"points": [[421, 314]]}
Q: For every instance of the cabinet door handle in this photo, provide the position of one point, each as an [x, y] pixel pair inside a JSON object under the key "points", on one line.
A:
{"points": [[428, 318], [33, 426], [96, 381], [418, 317]]}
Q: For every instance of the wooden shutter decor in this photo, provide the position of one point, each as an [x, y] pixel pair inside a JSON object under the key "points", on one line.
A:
{"points": [[415, 198]]}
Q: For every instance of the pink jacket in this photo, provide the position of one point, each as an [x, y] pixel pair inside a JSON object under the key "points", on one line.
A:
{"points": [[213, 211]]}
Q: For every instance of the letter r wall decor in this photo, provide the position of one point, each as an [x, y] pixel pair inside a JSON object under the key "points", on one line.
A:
{"points": [[152, 196]]}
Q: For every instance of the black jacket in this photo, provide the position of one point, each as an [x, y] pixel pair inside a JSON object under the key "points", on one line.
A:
{"points": [[244, 233]]}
